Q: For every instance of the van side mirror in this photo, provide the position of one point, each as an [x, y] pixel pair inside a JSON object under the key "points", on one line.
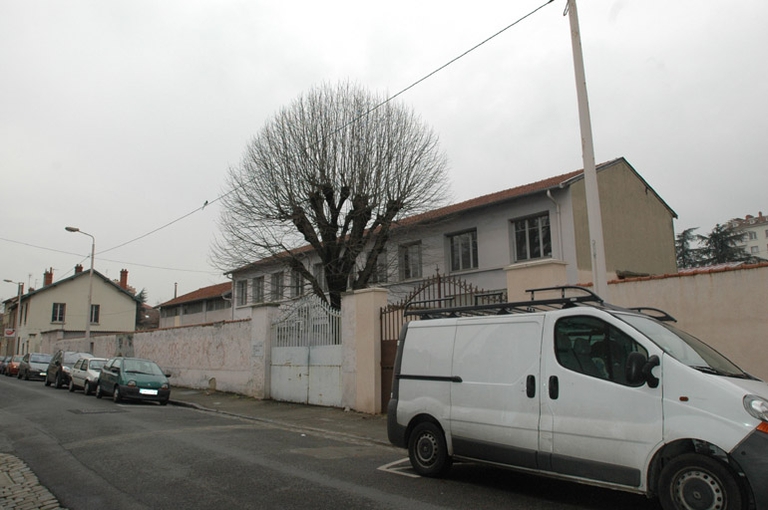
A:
{"points": [[638, 369]]}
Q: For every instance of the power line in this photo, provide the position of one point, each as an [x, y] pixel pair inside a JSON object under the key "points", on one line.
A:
{"points": [[357, 119], [111, 260]]}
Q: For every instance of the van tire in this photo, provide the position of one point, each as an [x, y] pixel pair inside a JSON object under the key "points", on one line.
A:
{"points": [[427, 450], [697, 481]]}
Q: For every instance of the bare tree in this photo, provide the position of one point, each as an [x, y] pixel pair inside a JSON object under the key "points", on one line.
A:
{"points": [[332, 174]]}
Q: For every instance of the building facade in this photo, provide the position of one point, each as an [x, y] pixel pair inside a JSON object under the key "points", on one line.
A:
{"points": [[205, 305], [482, 240], [58, 309], [755, 229]]}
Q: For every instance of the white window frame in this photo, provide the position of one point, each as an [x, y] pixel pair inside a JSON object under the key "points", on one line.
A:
{"points": [[531, 237], [460, 242], [410, 261]]}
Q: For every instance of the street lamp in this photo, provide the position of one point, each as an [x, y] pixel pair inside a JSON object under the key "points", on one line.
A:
{"points": [[18, 312], [90, 279]]}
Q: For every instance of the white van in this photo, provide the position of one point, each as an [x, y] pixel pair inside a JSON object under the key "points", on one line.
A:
{"points": [[573, 388]]}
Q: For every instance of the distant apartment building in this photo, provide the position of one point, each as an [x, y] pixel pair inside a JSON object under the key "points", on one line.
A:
{"points": [[755, 228]]}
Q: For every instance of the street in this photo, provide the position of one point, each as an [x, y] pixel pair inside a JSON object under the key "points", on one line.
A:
{"points": [[95, 454]]}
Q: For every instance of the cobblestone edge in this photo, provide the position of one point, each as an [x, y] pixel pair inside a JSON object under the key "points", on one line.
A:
{"points": [[20, 489]]}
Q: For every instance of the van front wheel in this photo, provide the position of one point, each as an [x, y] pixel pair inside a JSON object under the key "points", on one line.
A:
{"points": [[427, 450], [693, 481]]}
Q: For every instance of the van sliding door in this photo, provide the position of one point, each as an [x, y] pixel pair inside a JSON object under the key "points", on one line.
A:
{"points": [[495, 407]]}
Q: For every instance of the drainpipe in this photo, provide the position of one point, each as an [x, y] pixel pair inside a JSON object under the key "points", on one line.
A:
{"points": [[559, 225]]}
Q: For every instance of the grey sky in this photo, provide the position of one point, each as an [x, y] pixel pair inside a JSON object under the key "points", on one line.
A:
{"points": [[119, 117]]}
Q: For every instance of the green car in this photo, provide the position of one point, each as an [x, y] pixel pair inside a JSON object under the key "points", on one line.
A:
{"points": [[133, 379]]}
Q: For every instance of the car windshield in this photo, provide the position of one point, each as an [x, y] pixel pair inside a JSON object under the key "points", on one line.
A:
{"points": [[16, 358], [684, 347], [140, 366], [96, 364], [40, 358]]}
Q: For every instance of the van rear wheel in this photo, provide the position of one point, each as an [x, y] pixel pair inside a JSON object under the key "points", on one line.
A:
{"points": [[428, 451], [698, 482]]}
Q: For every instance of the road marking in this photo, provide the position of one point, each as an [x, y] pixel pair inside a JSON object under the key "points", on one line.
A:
{"points": [[400, 467]]}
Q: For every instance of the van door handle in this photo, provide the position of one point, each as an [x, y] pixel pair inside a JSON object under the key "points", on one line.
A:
{"points": [[530, 386], [554, 387]]}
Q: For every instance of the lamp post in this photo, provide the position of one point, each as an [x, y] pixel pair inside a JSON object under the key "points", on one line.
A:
{"points": [[18, 312], [90, 279]]}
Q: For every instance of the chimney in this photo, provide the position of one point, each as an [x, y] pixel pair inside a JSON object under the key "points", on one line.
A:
{"points": [[48, 277], [78, 269], [124, 278]]}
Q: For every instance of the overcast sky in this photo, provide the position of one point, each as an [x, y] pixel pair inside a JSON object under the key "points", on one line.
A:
{"points": [[119, 117]]}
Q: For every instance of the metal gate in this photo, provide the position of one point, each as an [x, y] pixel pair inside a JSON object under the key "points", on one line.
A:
{"points": [[307, 353], [436, 291]]}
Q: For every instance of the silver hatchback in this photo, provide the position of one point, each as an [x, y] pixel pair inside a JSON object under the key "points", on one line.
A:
{"points": [[85, 374]]}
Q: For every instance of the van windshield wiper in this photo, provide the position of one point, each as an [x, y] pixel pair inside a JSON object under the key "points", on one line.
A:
{"points": [[711, 370]]}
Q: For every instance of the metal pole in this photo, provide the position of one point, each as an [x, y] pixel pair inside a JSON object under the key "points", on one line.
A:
{"points": [[594, 218], [18, 315], [90, 279], [90, 289], [17, 318]]}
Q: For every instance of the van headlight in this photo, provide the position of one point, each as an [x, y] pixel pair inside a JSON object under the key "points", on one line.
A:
{"points": [[757, 407]]}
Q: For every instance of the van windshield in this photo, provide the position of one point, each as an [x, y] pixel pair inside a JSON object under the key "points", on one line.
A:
{"points": [[684, 347]]}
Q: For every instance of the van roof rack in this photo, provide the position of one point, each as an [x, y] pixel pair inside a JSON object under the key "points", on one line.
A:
{"points": [[427, 310], [441, 308]]}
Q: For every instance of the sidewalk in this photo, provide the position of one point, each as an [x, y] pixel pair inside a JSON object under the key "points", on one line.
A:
{"points": [[21, 490]]}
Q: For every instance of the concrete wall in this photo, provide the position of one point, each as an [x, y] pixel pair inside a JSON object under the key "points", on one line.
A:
{"points": [[724, 308], [209, 356]]}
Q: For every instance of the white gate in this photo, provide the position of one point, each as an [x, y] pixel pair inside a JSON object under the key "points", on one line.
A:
{"points": [[307, 353]]}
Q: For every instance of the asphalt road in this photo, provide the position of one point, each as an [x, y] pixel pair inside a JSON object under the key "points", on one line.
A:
{"points": [[94, 454]]}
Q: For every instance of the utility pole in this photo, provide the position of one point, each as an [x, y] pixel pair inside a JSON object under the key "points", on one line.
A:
{"points": [[594, 217]]}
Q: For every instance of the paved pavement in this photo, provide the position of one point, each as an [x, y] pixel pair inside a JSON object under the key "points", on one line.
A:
{"points": [[21, 490]]}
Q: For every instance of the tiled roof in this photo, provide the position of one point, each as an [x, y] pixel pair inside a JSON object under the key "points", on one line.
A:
{"points": [[202, 294], [558, 181]]}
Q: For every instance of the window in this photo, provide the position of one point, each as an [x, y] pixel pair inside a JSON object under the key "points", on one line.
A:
{"points": [[242, 292], [752, 235], [58, 312], [297, 284], [410, 261], [754, 250], [192, 308], [276, 286], [318, 271], [532, 238], [766, 234], [258, 289], [592, 347], [464, 251], [95, 313]]}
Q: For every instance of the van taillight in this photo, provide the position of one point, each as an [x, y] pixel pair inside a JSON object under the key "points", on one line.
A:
{"points": [[763, 427]]}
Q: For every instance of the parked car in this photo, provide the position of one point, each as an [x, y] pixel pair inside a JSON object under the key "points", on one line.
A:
{"points": [[34, 365], [575, 388], [61, 365], [85, 374], [12, 366], [4, 361], [133, 379]]}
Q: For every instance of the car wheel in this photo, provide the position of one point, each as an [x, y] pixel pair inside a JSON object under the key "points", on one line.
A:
{"points": [[116, 395], [47, 381], [71, 385], [697, 481], [86, 388], [99, 393], [18, 375], [164, 402], [427, 450]]}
